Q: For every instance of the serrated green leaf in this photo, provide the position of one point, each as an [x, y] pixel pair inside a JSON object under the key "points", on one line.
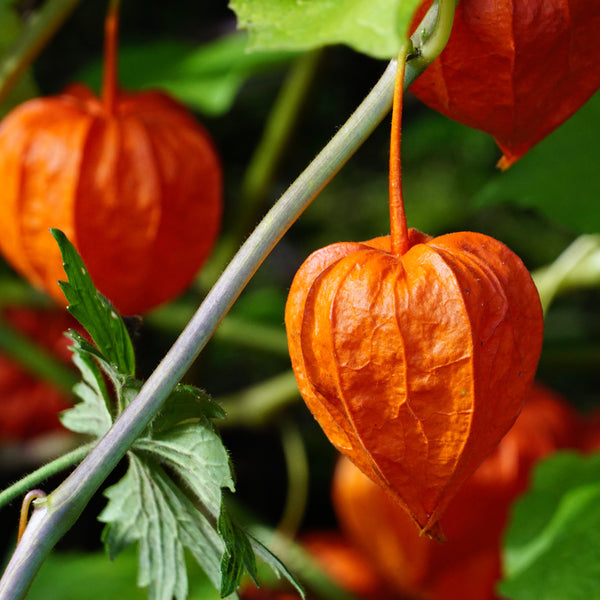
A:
{"points": [[82, 346], [146, 507], [91, 415], [206, 78], [195, 452], [375, 27], [552, 546], [238, 556], [93, 310], [262, 552], [186, 403]]}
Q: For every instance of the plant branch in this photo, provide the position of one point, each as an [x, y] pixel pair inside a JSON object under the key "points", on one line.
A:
{"points": [[36, 33], [578, 266], [297, 470], [63, 506], [233, 329], [283, 118], [428, 40], [29, 481], [280, 124], [256, 405]]}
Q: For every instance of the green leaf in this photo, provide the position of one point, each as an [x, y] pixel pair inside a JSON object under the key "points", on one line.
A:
{"points": [[147, 507], [377, 28], [552, 546], [186, 403], [91, 415], [275, 564], [150, 507], [206, 78], [94, 311], [238, 556], [195, 453], [559, 177]]}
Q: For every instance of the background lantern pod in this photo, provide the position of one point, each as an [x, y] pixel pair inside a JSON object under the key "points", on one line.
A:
{"points": [[415, 366], [137, 190], [468, 565], [545, 58], [29, 406]]}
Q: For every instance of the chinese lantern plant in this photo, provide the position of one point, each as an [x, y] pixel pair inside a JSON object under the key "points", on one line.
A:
{"points": [[28, 405], [467, 566], [171, 499], [131, 178], [545, 60], [415, 354]]}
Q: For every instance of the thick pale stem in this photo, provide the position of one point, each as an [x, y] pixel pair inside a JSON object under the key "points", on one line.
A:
{"points": [[398, 226], [49, 522], [110, 77]]}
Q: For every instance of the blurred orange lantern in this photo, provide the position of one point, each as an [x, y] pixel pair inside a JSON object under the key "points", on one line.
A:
{"points": [[133, 180], [466, 566], [28, 406]]}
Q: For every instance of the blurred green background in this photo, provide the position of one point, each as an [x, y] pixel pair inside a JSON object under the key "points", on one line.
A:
{"points": [[450, 182]]}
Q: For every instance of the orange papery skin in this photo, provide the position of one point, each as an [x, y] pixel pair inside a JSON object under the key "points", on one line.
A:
{"points": [[415, 366], [516, 69], [468, 565], [138, 191], [28, 406]]}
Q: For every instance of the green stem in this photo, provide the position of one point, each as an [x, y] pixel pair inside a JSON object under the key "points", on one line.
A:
{"points": [[256, 405], [17, 292], [35, 359], [577, 267], [297, 470], [33, 479], [232, 330], [36, 33], [64, 505], [430, 41], [280, 124], [265, 160]]}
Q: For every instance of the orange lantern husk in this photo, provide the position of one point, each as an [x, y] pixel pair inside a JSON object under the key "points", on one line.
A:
{"points": [[516, 69], [414, 354], [468, 565], [132, 179]]}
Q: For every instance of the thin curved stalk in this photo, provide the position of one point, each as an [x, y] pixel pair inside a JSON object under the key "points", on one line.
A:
{"points": [[61, 509], [56, 466], [40, 28], [259, 404], [297, 469]]}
